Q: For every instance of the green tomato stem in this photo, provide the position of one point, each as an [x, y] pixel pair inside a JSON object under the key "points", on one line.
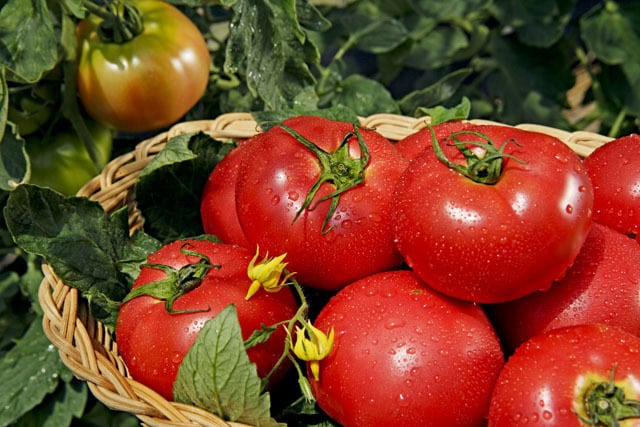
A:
{"points": [[337, 168], [484, 168], [121, 21], [606, 404]]}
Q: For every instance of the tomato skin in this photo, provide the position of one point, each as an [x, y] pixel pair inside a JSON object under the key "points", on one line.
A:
{"points": [[276, 174], [544, 381], [602, 286], [614, 169], [153, 342], [405, 355], [61, 162], [148, 82], [494, 243], [218, 201]]}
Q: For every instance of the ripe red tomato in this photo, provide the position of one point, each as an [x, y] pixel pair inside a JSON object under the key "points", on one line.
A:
{"points": [[150, 81], [614, 169], [331, 242], [153, 341], [405, 355], [571, 376], [493, 242], [602, 286], [218, 201]]}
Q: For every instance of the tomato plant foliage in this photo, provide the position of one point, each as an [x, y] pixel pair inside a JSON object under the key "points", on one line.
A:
{"points": [[272, 57]]}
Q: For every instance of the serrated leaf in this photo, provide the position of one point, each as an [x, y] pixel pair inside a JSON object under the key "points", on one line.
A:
{"points": [[79, 240], [441, 114], [28, 372], [28, 40], [267, 46], [181, 169], [216, 374]]}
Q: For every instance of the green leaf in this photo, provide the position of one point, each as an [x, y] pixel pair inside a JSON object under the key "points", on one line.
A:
{"points": [[267, 46], [60, 408], [181, 169], [28, 39], [539, 23], [438, 48], [440, 114], [364, 96], [216, 374], [79, 240], [530, 90], [28, 372], [435, 94], [376, 35], [611, 33], [339, 113], [446, 10], [14, 164]]}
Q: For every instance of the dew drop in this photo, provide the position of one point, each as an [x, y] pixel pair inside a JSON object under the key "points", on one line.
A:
{"points": [[569, 209], [293, 195]]}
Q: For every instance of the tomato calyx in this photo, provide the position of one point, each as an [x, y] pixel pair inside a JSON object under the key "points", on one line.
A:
{"points": [[338, 168], [484, 160], [178, 281], [606, 404], [121, 21]]}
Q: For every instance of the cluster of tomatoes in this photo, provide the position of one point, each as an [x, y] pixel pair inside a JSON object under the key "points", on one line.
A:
{"points": [[477, 274]]}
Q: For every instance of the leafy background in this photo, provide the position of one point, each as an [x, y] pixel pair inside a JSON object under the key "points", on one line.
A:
{"points": [[570, 64]]}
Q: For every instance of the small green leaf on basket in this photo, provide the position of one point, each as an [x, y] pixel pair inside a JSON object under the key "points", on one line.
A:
{"points": [[181, 169], [216, 374]]}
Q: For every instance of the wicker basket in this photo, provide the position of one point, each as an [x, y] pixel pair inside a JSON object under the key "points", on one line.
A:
{"points": [[87, 347]]}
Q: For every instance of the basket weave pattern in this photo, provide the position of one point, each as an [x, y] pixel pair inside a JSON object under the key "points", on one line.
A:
{"points": [[87, 347]]}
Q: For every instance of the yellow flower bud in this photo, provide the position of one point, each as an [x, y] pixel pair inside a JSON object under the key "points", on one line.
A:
{"points": [[267, 274], [312, 345]]}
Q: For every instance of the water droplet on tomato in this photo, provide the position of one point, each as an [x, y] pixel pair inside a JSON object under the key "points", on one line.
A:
{"points": [[275, 200], [293, 195], [569, 209], [394, 323], [347, 223]]}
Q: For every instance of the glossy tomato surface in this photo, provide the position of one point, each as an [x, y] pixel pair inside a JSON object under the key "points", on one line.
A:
{"points": [[550, 377], [276, 176], [614, 169], [148, 82], [218, 201], [406, 356], [494, 242], [602, 286], [153, 342]]}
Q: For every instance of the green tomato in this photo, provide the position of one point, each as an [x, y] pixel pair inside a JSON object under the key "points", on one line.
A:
{"points": [[61, 161], [31, 107], [148, 82]]}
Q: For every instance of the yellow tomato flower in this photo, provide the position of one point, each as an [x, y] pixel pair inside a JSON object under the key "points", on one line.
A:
{"points": [[267, 274], [312, 345]]}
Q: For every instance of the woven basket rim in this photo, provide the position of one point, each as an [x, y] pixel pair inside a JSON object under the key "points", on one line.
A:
{"points": [[86, 346]]}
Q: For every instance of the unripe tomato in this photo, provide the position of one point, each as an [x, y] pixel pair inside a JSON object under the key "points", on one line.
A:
{"points": [[60, 160], [148, 82]]}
